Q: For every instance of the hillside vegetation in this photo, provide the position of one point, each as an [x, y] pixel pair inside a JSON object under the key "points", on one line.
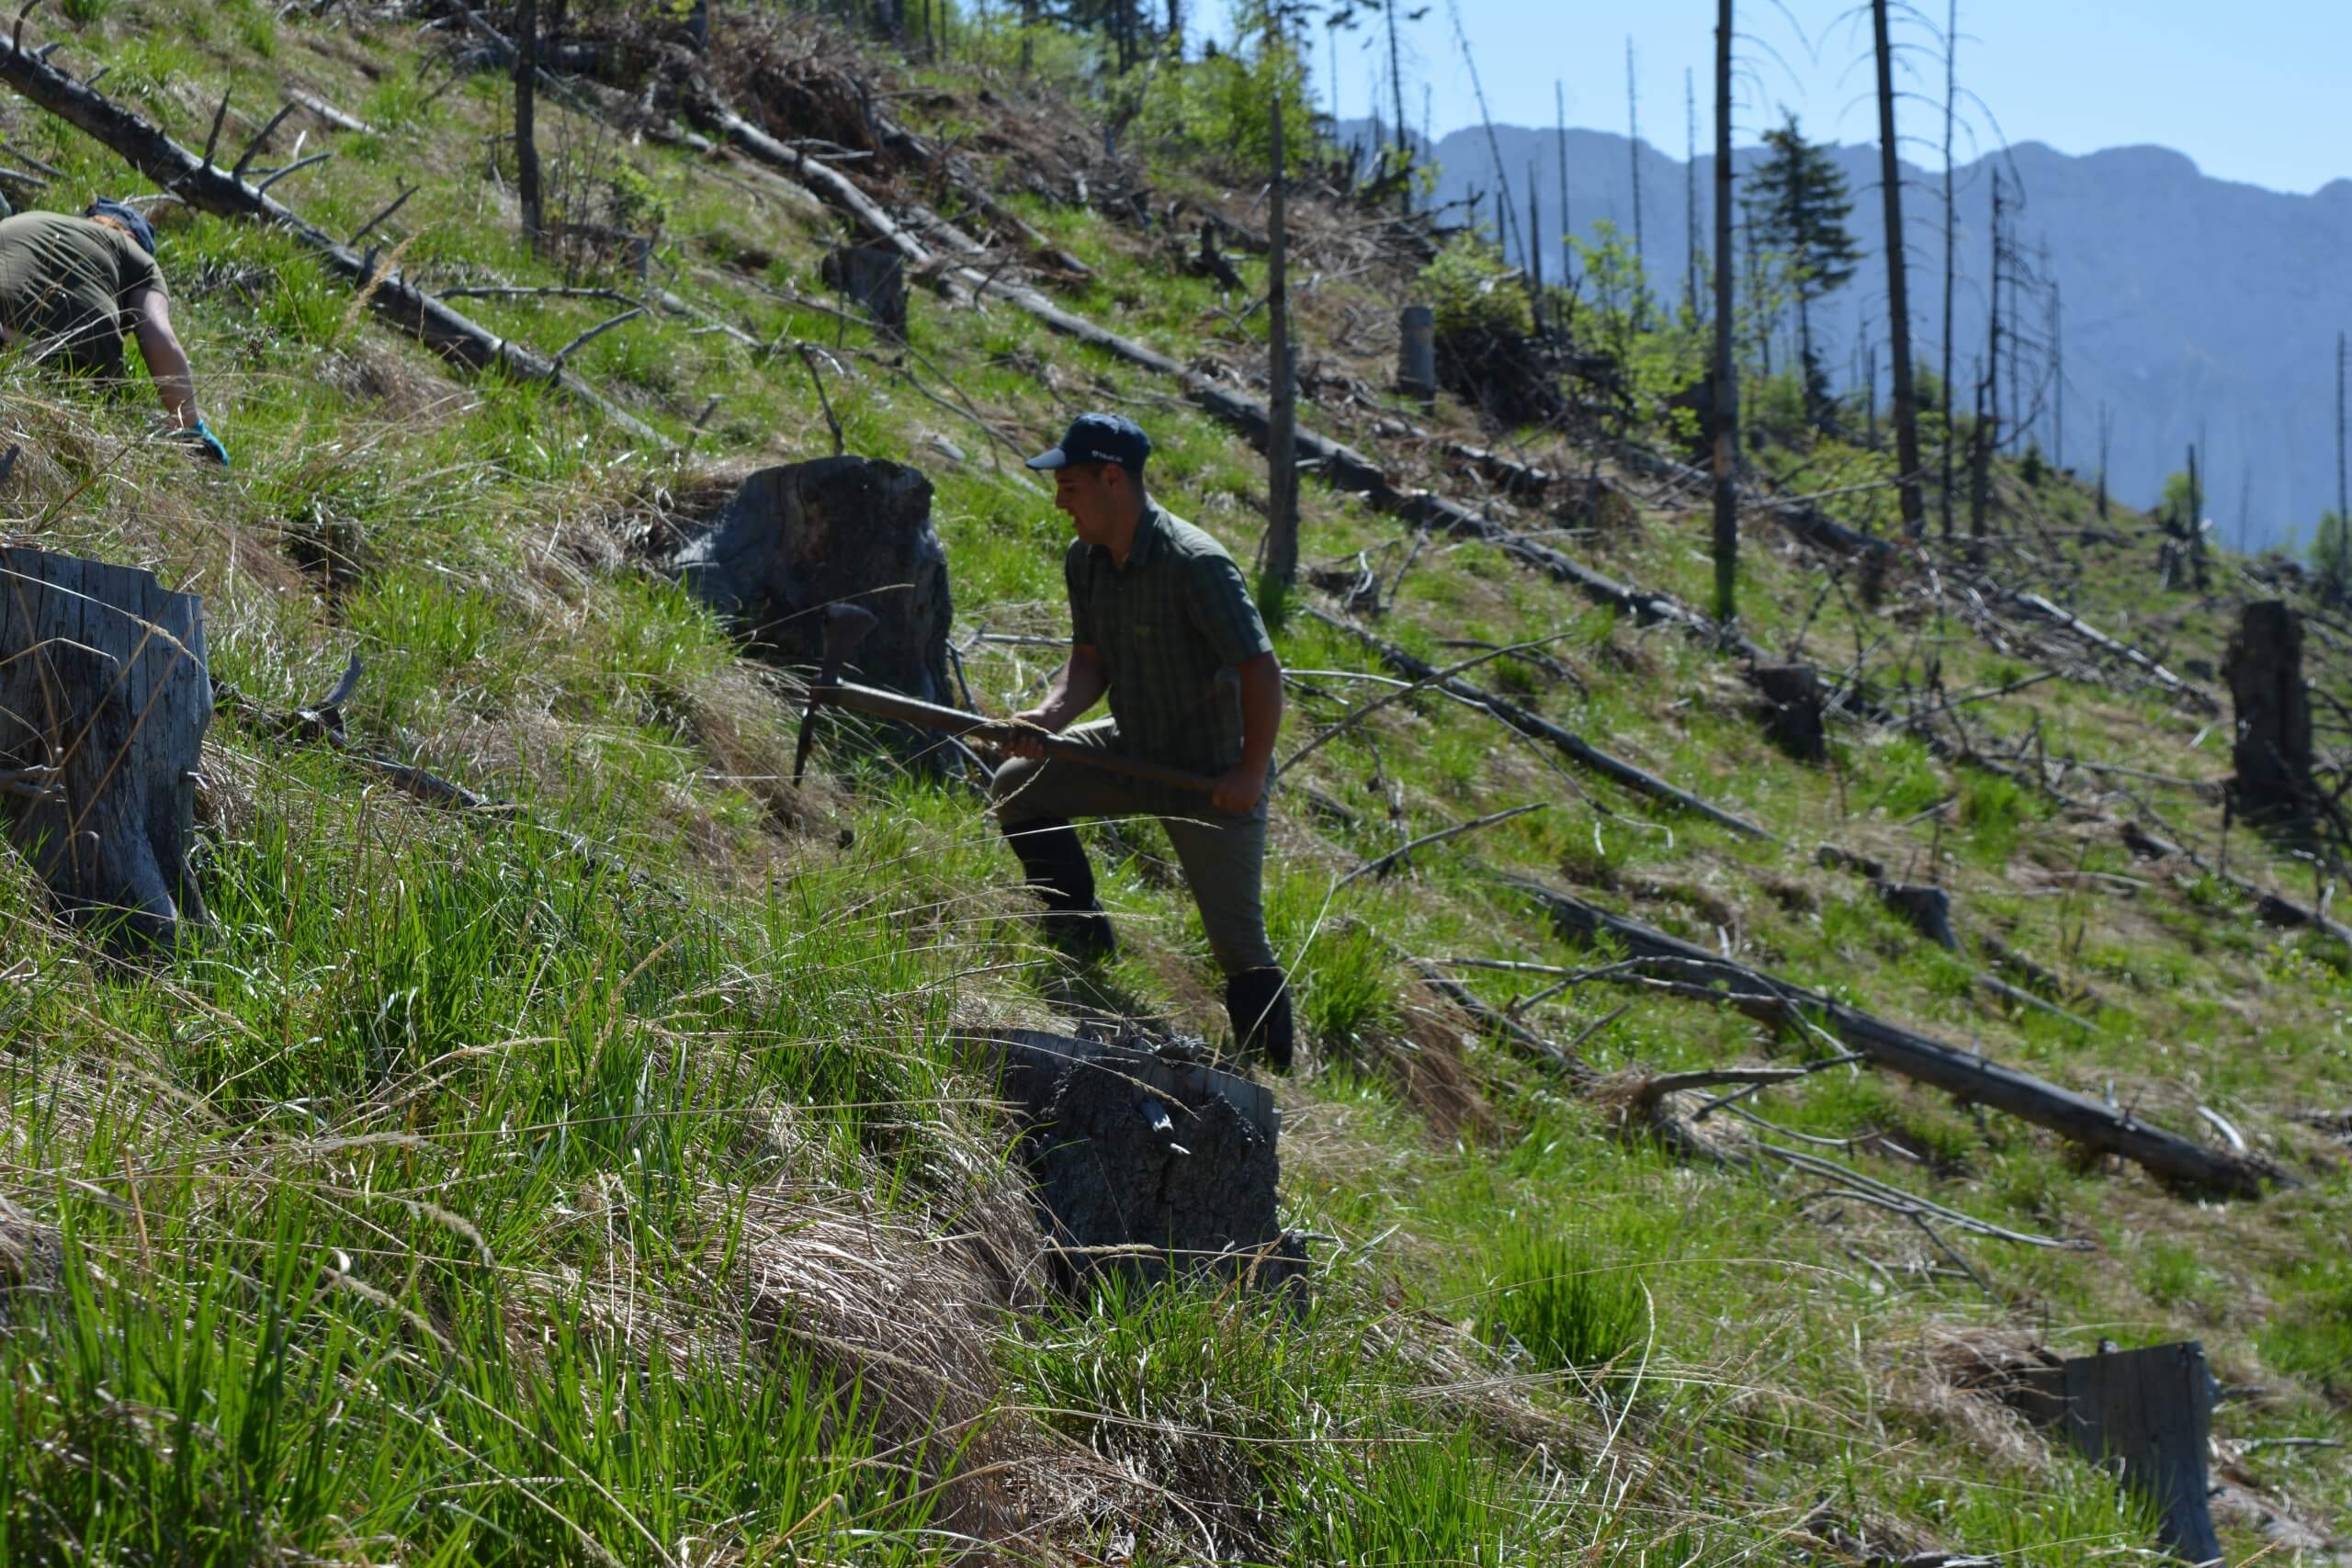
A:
{"points": [[603, 1176]]}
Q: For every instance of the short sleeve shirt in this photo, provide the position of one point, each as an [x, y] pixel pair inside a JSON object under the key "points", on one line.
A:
{"points": [[65, 283], [1168, 624]]}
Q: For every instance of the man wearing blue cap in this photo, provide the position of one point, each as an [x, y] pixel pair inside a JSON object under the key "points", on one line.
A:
{"points": [[1161, 623], [72, 288]]}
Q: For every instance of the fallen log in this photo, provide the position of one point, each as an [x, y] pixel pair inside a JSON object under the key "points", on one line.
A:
{"points": [[829, 184], [2270, 907], [201, 184], [1963, 1074], [2194, 696], [1535, 725]]}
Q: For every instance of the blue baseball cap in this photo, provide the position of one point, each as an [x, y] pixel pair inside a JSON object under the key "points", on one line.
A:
{"points": [[128, 217], [1099, 438]]}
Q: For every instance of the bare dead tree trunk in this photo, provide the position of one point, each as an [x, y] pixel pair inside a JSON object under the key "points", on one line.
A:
{"points": [[1568, 223], [1397, 88], [1281, 464], [1951, 230], [2197, 566], [2106, 441], [1691, 193], [1726, 447], [2343, 493], [1899, 309], [526, 142], [1634, 153], [1534, 246]]}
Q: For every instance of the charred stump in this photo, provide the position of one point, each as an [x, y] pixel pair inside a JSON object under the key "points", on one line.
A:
{"points": [[1792, 693], [2148, 1412], [1146, 1161], [836, 530], [2273, 752], [1927, 910], [104, 701], [875, 279]]}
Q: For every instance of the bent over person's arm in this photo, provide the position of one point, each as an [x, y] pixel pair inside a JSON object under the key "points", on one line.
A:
{"points": [[167, 365]]}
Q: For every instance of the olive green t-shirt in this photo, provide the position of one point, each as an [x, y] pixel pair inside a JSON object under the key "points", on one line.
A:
{"points": [[65, 283]]}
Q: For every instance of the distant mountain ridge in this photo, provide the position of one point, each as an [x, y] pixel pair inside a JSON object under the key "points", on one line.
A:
{"points": [[2189, 303]]}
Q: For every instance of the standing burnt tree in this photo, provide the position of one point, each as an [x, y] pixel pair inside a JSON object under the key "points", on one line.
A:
{"points": [[2272, 783], [1898, 309], [1282, 425], [1726, 447], [526, 135]]}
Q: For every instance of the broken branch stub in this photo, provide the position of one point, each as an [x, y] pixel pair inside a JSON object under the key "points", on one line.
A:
{"points": [[104, 700]]}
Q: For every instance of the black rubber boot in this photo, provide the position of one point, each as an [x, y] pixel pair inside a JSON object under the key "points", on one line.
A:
{"points": [[1058, 873], [1258, 1000]]}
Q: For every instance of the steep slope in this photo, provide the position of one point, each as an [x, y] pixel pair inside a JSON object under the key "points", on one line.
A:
{"points": [[467, 1195]]}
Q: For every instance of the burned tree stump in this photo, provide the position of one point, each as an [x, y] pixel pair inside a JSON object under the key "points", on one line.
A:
{"points": [[1146, 1160], [104, 701], [2149, 1411], [1928, 910], [837, 530], [2273, 753], [1792, 694], [874, 279]]}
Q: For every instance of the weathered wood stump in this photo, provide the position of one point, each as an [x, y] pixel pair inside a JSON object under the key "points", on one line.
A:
{"points": [[837, 530], [1928, 910], [1792, 693], [2273, 752], [104, 701], [2149, 1411], [2146, 1412], [1146, 1160], [874, 279]]}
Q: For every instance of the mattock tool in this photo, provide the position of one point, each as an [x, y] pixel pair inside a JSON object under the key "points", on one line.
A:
{"points": [[845, 627]]}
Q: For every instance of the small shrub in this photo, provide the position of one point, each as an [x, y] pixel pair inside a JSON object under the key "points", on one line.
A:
{"points": [[1471, 292]]}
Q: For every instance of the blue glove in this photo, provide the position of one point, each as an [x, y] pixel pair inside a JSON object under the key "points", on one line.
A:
{"points": [[200, 434]]}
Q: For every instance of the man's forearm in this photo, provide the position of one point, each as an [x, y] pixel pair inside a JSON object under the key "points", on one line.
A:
{"points": [[1261, 710], [1078, 687]]}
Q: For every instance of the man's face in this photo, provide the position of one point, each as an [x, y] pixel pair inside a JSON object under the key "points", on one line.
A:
{"points": [[1095, 495]]}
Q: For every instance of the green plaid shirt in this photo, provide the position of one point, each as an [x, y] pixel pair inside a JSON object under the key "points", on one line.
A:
{"points": [[1167, 624]]}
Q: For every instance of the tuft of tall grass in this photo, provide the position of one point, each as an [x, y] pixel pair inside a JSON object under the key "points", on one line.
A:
{"points": [[1568, 1306]]}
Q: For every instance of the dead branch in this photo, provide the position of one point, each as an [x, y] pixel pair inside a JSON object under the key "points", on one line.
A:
{"points": [[1380, 867], [1965, 1074]]}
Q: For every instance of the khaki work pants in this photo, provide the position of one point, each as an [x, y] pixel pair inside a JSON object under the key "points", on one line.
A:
{"points": [[1223, 855]]}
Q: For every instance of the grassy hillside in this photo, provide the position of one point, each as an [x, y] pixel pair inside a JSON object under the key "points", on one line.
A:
{"points": [[602, 1179]]}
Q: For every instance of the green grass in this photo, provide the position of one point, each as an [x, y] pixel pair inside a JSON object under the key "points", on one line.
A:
{"points": [[439, 1204]]}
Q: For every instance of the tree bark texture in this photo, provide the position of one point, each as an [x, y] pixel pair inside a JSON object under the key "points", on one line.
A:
{"points": [[2273, 752], [217, 191], [104, 701], [835, 530]]}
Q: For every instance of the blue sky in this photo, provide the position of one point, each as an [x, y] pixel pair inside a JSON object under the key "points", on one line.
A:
{"points": [[2251, 91]]}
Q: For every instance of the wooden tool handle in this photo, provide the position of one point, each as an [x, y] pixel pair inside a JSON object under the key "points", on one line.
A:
{"points": [[976, 727]]}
